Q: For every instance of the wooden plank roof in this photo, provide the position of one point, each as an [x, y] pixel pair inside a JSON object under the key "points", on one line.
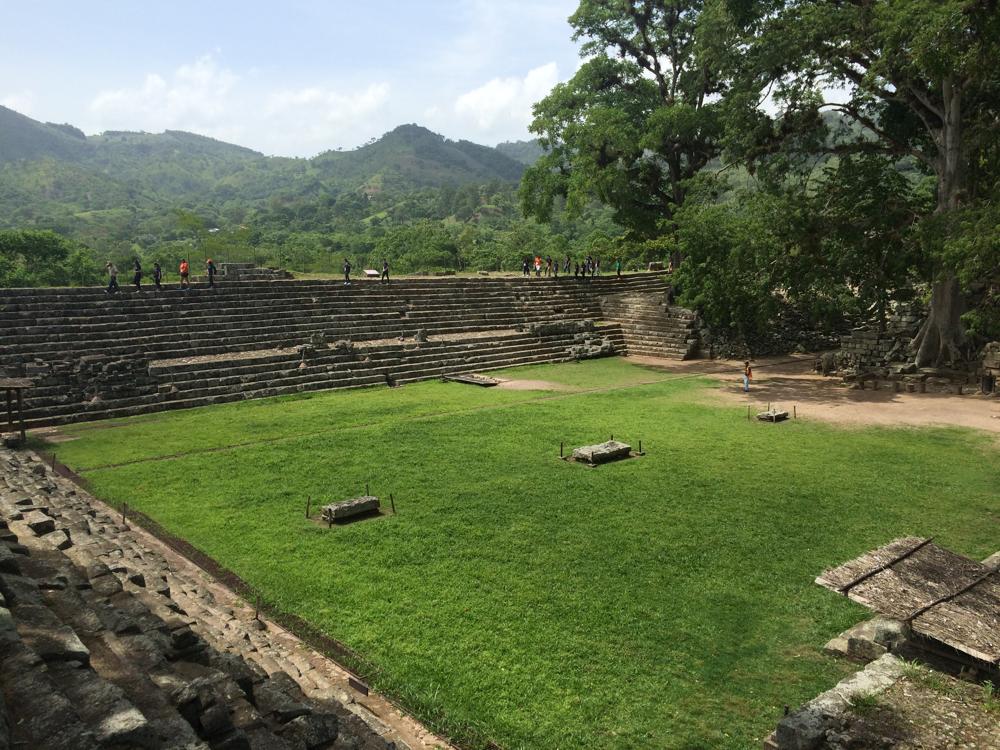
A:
{"points": [[943, 595]]}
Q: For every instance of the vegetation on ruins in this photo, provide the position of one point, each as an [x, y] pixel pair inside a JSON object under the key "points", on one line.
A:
{"points": [[666, 601], [768, 116]]}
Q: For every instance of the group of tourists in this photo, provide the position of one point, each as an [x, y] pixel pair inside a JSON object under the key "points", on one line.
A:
{"points": [[588, 269], [184, 269]]}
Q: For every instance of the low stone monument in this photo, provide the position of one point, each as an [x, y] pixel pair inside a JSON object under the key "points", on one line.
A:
{"points": [[344, 509], [772, 415], [602, 453], [472, 379]]}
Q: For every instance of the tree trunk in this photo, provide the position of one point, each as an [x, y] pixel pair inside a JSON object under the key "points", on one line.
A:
{"points": [[942, 337]]}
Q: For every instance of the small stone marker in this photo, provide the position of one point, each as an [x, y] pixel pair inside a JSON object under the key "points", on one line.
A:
{"points": [[348, 508], [772, 415], [472, 379], [601, 453]]}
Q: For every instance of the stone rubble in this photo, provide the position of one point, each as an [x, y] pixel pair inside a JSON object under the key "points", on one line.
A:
{"points": [[109, 639]]}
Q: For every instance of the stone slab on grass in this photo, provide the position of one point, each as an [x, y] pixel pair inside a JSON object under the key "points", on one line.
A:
{"points": [[602, 453], [349, 508]]}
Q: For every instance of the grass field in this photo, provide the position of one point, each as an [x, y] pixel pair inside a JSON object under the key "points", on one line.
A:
{"points": [[661, 602]]}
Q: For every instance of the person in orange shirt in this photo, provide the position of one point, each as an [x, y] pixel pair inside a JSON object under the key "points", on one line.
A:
{"points": [[185, 270]]}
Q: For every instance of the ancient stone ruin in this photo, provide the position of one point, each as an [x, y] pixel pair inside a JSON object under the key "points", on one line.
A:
{"points": [[93, 357], [356, 506], [602, 453], [108, 639]]}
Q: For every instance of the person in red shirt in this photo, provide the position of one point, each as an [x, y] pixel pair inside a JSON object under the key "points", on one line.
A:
{"points": [[185, 270]]}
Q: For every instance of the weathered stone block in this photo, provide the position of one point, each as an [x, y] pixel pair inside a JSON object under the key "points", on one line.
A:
{"points": [[612, 450], [40, 523], [348, 508]]}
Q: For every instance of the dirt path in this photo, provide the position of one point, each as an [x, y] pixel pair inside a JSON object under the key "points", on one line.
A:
{"points": [[790, 381]]}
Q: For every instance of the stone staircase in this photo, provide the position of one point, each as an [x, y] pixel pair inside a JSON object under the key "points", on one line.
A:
{"points": [[108, 641], [650, 325], [95, 357]]}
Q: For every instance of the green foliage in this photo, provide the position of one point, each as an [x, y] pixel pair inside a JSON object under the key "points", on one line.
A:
{"points": [[527, 600], [864, 704], [730, 271], [420, 201], [639, 119], [42, 258]]}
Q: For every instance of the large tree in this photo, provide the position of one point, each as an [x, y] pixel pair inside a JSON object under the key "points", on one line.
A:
{"points": [[641, 116], [918, 79]]}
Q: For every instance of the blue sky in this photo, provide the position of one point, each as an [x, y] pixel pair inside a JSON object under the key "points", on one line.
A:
{"points": [[293, 78]]}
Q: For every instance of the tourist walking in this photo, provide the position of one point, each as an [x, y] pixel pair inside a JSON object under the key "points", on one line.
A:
{"points": [[597, 267], [747, 376], [618, 267], [385, 272], [347, 272], [538, 266], [185, 271], [137, 275], [526, 266], [548, 266], [566, 266], [157, 276], [210, 267], [112, 270]]}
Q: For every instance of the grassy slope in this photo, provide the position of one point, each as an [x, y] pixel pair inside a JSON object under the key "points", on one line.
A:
{"points": [[662, 602]]}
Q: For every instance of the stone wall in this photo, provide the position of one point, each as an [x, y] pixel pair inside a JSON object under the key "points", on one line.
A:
{"points": [[867, 347]]}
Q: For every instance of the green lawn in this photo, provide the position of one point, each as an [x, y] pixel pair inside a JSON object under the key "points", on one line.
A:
{"points": [[660, 602]]}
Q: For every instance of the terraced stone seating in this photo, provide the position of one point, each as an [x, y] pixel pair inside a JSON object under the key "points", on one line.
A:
{"points": [[105, 643], [651, 326], [93, 357]]}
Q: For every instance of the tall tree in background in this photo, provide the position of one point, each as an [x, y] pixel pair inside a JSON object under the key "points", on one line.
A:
{"points": [[640, 118], [919, 80]]}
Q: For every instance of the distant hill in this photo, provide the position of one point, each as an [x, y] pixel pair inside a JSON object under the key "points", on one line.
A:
{"points": [[526, 152], [175, 163], [413, 157], [24, 138]]}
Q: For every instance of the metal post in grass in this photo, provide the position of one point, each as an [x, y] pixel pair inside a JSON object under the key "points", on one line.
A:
{"points": [[256, 612], [308, 503], [392, 502], [795, 411], [124, 511], [640, 447], [367, 493], [748, 412], [561, 450]]}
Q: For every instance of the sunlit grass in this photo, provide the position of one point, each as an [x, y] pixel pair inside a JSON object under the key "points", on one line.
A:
{"points": [[665, 601]]}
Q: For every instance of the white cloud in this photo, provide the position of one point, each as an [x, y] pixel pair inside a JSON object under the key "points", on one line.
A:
{"points": [[195, 96], [503, 105], [209, 99], [21, 101], [331, 106]]}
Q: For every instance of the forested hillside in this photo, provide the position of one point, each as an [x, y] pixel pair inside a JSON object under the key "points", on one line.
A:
{"points": [[421, 201]]}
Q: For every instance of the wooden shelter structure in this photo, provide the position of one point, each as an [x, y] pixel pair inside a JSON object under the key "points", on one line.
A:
{"points": [[943, 596], [15, 388]]}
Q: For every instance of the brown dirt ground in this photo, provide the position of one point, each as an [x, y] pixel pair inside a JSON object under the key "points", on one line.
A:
{"points": [[789, 381], [531, 385]]}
